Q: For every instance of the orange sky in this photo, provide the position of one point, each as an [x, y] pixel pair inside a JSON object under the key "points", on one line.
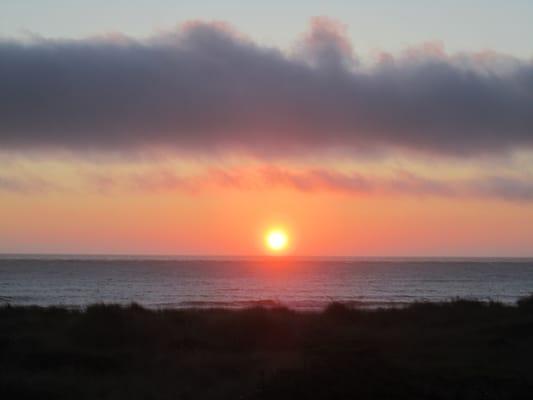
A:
{"points": [[124, 206]]}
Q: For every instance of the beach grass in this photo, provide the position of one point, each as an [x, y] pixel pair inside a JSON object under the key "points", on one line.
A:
{"points": [[461, 349]]}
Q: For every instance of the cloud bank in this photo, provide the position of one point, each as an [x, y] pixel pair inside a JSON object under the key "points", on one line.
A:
{"points": [[205, 87]]}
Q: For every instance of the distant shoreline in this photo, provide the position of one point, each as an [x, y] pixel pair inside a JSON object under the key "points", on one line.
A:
{"points": [[263, 304]]}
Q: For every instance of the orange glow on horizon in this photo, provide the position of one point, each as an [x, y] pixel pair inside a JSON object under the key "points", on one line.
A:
{"points": [[140, 211]]}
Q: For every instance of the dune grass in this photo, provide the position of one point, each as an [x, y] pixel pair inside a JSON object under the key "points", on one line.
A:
{"points": [[454, 350]]}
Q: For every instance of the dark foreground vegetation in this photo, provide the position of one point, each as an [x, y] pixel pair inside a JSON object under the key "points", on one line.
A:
{"points": [[456, 350]]}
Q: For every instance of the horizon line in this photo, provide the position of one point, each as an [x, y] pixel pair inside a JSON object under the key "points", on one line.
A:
{"points": [[5, 255]]}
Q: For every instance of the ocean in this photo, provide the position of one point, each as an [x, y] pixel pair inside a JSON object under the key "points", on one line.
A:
{"points": [[299, 283]]}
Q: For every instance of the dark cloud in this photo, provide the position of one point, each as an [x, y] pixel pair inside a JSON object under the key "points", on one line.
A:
{"points": [[205, 88]]}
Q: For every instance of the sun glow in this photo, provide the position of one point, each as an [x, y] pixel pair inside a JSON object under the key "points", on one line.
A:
{"points": [[276, 240]]}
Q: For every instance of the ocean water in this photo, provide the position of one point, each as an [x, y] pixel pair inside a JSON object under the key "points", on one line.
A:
{"points": [[299, 283]]}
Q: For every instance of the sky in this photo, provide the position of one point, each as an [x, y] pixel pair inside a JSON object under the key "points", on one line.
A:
{"points": [[467, 25], [360, 128]]}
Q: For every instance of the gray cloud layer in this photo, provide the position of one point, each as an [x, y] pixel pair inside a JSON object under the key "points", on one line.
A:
{"points": [[204, 88]]}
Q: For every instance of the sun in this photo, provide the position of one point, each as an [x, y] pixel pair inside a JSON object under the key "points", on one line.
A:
{"points": [[276, 240]]}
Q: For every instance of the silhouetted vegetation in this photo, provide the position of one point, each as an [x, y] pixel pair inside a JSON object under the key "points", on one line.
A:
{"points": [[454, 350], [526, 302]]}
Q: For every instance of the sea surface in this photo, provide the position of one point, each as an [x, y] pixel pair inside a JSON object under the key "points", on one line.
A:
{"points": [[299, 283]]}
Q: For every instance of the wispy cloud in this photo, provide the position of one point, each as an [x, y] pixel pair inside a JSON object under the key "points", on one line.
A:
{"points": [[9, 184], [314, 180], [206, 87], [310, 180]]}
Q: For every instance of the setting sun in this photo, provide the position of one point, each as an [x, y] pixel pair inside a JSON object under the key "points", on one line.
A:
{"points": [[276, 240]]}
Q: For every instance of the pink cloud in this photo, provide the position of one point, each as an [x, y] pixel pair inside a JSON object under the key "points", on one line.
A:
{"points": [[315, 180]]}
